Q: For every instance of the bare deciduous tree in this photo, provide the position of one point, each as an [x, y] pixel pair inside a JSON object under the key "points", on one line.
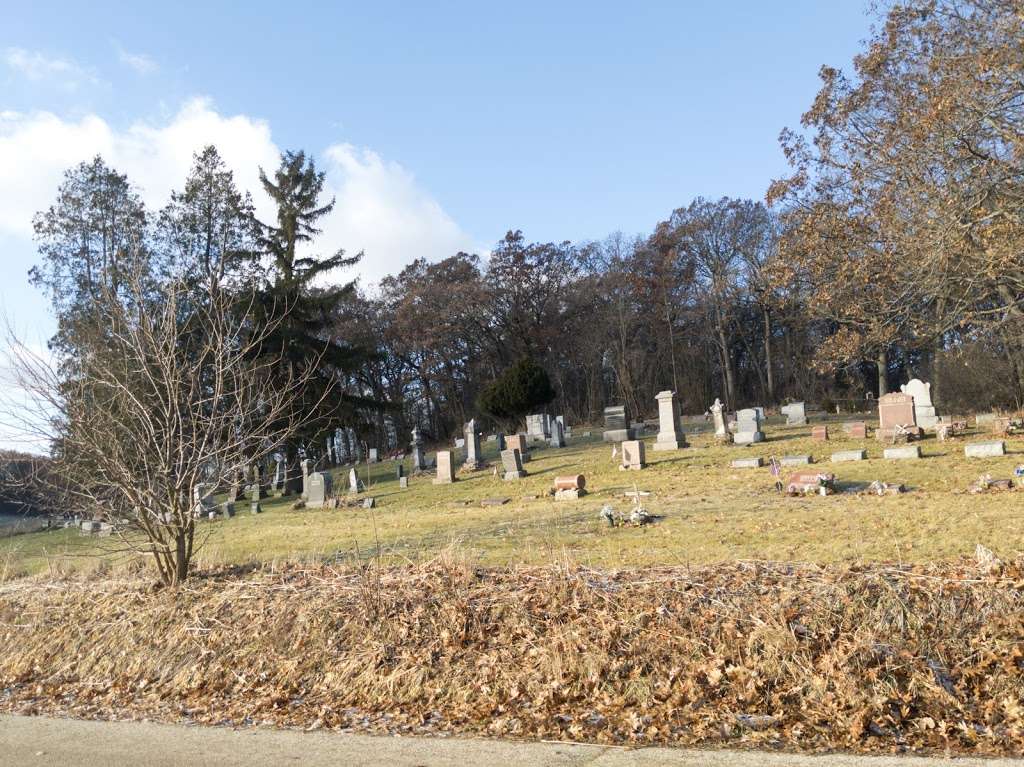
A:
{"points": [[170, 395]]}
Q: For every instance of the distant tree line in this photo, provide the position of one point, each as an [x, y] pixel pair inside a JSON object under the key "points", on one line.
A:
{"points": [[893, 249]]}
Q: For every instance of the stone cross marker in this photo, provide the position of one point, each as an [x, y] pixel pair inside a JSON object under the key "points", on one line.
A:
{"points": [[670, 436], [512, 463], [748, 427], [445, 469], [318, 487], [473, 460]]}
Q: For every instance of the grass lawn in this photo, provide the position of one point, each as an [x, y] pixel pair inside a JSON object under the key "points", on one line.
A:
{"points": [[709, 513]]}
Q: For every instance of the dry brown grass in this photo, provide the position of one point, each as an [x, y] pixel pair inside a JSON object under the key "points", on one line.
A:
{"points": [[872, 658]]}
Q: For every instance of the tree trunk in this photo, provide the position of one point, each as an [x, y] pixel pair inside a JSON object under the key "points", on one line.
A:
{"points": [[769, 373], [883, 372], [181, 558], [730, 382]]}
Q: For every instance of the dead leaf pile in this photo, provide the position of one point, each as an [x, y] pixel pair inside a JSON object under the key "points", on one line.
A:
{"points": [[860, 658]]}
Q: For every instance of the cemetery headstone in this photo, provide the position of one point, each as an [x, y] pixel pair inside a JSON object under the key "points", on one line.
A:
{"points": [[819, 433], [419, 460], [355, 485], [987, 449], [849, 455], [721, 432], [512, 463], [796, 413], [557, 434], [373, 455], [500, 439], [670, 435], [633, 455], [403, 482], [616, 428], [535, 427], [473, 459], [895, 416], [795, 460], [747, 463], [306, 465], [445, 468], [570, 488], [319, 486], [518, 442], [748, 427], [924, 410], [856, 429], [902, 453]]}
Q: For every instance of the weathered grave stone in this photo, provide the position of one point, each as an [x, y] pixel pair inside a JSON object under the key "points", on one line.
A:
{"points": [[403, 482], [318, 487], [988, 449], [896, 416], [849, 455], [570, 488], [355, 484], [518, 442], [535, 427], [227, 509], [419, 460], [984, 419], [633, 455], [907, 452], [722, 433], [202, 498], [473, 459], [748, 427], [557, 434], [306, 466], [445, 468], [747, 463], [492, 438], [373, 455], [795, 460], [810, 482], [500, 439], [670, 435], [616, 428], [330, 450], [512, 463], [819, 433], [924, 410], [355, 446], [494, 501], [796, 413], [369, 503], [856, 429], [460, 442]]}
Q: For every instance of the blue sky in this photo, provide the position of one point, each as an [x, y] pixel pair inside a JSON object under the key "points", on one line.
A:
{"points": [[441, 125]]}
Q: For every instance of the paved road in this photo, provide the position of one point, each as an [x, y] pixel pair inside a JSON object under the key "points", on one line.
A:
{"points": [[39, 741]]}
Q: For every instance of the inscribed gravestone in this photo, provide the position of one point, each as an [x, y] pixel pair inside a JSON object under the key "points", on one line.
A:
{"points": [[518, 442], [633, 456], [670, 436], [319, 487], [748, 427], [472, 446], [924, 410], [445, 468], [512, 463]]}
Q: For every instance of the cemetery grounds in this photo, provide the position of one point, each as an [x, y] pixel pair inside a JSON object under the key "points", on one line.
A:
{"points": [[739, 616]]}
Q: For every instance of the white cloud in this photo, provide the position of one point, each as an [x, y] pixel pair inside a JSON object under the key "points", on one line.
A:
{"points": [[380, 207], [38, 67], [382, 211], [140, 62]]}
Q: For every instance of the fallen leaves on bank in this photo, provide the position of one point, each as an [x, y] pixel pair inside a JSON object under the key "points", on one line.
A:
{"points": [[862, 658]]}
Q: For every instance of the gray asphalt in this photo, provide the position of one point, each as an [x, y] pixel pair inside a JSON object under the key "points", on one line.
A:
{"points": [[39, 741]]}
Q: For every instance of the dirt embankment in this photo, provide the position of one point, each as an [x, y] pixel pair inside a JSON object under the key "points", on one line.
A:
{"points": [[875, 658]]}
